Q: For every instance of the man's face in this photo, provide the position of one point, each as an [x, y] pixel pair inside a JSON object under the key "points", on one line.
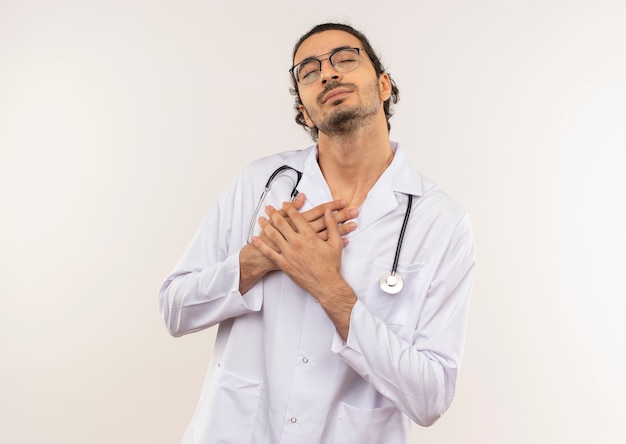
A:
{"points": [[338, 103]]}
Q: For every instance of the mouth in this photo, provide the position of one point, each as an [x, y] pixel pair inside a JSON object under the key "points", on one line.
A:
{"points": [[336, 93]]}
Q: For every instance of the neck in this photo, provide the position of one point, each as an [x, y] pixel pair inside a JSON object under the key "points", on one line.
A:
{"points": [[352, 163]]}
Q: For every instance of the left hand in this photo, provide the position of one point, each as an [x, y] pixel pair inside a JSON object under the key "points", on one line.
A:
{"points": [[311, 262]]}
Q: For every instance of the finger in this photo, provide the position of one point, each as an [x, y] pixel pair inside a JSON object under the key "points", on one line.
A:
{"points": [[332, 228], [297, 219], [344, 229], [283, 213], [340, 217], [264, 237], [347, 228], [265, 249], [318, 211], [280, 223], [271, 231], [345, 215], [298, 201]]}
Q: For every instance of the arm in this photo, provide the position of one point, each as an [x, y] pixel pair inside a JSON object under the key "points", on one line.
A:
{"points": [[211, 284], [202, 290]]}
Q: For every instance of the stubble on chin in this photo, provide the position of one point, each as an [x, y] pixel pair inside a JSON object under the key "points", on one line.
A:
{"points": [[345, 119], [341, 121]]}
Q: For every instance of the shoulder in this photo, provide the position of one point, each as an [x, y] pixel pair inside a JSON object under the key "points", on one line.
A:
{"points": [[255, 174], [438, 204]]}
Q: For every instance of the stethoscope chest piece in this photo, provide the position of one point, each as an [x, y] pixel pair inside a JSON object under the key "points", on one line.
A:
{"points": [[391, 283]]}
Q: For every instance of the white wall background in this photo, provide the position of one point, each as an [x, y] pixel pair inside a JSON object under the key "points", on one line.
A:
{"points": [[121, 121]]}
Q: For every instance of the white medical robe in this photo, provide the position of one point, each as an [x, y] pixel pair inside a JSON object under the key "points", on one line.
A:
{"points": [[280, 372]]}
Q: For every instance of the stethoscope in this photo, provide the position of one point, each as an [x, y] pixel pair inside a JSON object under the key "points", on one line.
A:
{"points": [[390, 282]]}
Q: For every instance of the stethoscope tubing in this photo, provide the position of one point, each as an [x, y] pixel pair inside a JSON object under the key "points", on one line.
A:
{"points": [[268, 186], [279, 170], [396, 258]]}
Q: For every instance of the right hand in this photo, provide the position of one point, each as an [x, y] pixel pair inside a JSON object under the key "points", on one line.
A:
{"points": [[315, 218]]}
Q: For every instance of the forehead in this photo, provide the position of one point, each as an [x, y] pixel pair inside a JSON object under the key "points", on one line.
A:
{"points": [[323, 43]]}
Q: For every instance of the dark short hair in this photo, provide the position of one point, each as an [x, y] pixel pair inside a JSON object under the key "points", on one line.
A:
{"points": [[367, 47]]}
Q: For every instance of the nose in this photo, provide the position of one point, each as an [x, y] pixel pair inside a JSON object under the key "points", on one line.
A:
{"points": [[329, 73]]}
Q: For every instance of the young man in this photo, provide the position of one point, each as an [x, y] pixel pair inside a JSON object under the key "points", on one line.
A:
{"points": [[343, 316]]}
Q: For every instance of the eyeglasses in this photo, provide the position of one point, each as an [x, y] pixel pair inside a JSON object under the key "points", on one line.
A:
{"points": [[342, 60]]}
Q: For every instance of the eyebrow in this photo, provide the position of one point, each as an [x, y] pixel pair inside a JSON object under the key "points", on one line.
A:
{"points": [[338, 48]]}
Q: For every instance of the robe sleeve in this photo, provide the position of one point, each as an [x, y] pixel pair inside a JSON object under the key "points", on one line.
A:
{"points": [[418, 376]]}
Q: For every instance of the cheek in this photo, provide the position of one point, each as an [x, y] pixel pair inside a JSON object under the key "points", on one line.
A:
{"points": [[309, 99]]}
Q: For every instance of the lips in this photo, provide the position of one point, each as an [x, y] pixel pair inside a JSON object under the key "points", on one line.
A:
{"points": [[334, 93]]}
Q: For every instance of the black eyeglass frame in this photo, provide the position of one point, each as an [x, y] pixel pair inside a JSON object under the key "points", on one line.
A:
{"points": [[330, 54]]}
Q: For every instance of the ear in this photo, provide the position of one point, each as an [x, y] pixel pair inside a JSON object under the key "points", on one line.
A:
{"points": [[384, 83], [307, 119]]}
